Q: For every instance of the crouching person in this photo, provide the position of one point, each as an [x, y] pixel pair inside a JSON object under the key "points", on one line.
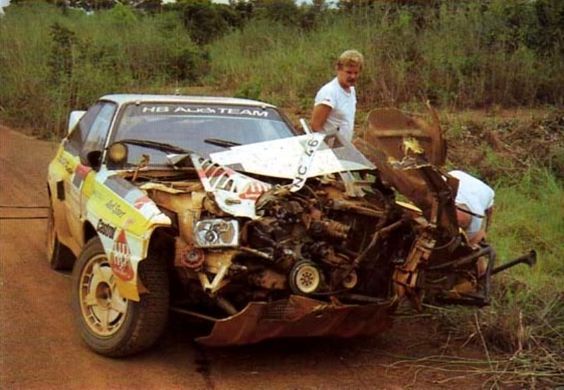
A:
{"points": [[474, 205], [474, 208]]}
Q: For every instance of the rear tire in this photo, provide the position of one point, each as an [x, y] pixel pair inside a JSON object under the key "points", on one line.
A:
{"points": [[110, 324], [59, 256]]}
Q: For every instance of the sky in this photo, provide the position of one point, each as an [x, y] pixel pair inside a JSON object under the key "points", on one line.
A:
{"points": [[5, 3], [227, 1]]}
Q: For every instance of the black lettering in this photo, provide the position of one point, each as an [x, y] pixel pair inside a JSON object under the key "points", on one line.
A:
{"points": [[115, 208], [297, 182], [106, 229], [313, 143], [302, 170]]}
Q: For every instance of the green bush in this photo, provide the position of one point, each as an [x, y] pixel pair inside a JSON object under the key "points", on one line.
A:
{"points": [[202, 20], [457, 54], [469, 54], [67, 58]]}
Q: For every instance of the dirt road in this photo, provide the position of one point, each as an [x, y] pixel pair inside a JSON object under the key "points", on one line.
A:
{"points": [[39, 347]]}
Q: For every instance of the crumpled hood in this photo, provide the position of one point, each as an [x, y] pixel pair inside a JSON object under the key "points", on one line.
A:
{"points": [[316, 154]]}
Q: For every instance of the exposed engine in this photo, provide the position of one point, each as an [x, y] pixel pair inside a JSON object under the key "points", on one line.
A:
{"points": [[315, 242]]}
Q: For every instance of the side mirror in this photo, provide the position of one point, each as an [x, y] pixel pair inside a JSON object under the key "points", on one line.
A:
{"points": [[74, 117], [92, 158]]}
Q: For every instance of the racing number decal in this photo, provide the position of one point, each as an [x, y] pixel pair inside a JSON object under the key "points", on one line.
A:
{"points": [[311, 147]]}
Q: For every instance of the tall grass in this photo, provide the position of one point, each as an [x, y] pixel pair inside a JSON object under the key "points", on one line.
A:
{"points": [[530, 214], [462, 54], [272, 57], [53, 61], [526, 317]]}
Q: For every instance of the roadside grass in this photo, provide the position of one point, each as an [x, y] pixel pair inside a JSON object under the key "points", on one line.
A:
{"points": [[526, 317], [530, 215], [65, 60], [457, 54], [463, 55]]}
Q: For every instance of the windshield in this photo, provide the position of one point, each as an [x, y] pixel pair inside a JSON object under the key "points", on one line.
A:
{"points": [[200, 128]]}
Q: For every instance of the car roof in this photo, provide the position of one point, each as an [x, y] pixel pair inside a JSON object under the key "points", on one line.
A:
{"points": [[132, 98]]}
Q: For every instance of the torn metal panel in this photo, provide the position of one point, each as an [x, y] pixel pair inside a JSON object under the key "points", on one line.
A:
{"points": [[407, 149], [298, 317]]}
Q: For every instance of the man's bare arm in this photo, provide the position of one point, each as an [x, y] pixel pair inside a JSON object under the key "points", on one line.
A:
{"points": [[319, 116], [481, 235], [463, 218]]}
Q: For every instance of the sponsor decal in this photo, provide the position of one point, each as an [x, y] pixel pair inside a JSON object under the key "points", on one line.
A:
{"points": [[127, 192], [106, 229], [120, 258], [67, 165], [80, 174], [141, 201], [252, 112], [207, 173], [115, 208], [120, 186], [254, 190]]}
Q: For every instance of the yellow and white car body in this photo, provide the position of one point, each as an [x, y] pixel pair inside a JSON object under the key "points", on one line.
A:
{"points": [[220, 209], [87, 202]]}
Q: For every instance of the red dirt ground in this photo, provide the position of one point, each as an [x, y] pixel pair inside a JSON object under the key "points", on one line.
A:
{"points": [[40, 349]]}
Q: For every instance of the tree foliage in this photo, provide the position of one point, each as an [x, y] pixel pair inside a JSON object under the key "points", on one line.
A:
{"points": [[463, 54], [201, 19]]}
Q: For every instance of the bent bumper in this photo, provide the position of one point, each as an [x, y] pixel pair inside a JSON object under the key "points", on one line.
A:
{"points": [[299, 316]]}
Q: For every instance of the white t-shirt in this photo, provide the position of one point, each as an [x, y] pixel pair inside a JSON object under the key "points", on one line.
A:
{"points": [[343, 107], [476, 195]]}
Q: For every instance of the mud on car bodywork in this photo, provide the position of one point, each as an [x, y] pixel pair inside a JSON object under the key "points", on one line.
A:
{"points": [[218, 208]]}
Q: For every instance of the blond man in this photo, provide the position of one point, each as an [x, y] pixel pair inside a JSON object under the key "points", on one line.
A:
{"points": [[335, 102]]}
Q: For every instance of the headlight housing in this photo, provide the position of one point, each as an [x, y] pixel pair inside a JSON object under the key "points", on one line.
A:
{"points": [[216, 233]]}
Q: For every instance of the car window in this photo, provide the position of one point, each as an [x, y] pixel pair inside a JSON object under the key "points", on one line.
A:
{"points": [[78, 135], [99, 130]]}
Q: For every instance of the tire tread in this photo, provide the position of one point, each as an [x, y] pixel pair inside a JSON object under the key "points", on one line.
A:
{"points": [[149, 315]]}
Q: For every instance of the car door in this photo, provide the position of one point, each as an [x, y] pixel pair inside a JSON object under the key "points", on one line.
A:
{"points": [[89, 136]]}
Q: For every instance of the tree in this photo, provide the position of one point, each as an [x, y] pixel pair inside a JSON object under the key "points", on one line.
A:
{"points": [[201, 19], [284, 11]]}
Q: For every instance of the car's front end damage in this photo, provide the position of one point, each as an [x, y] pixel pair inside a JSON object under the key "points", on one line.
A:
{"points": [[305, 237], [292, 247], [217, 210]]}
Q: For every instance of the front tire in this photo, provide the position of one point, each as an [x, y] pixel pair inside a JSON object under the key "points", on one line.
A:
{"points": [[110, 324]]}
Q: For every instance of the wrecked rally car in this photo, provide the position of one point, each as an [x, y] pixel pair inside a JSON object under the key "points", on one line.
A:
{"points": [[218, 208]]}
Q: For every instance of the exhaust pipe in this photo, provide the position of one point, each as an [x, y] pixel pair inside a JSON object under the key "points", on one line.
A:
{"points": [[530, 259]]}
